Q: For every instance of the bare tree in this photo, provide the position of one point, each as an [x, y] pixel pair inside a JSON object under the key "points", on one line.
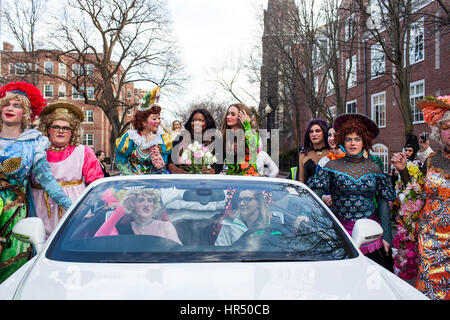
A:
{"points": [[23, 21]]}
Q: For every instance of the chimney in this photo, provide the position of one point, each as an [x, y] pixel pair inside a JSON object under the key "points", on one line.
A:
{"points": [[7, 46]]}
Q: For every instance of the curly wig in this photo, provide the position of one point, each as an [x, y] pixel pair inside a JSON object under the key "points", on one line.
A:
{"points": [[354, 126], [141, 116], [47, 120], [24, 102]]}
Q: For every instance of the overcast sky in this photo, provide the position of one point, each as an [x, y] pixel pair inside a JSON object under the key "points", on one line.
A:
{"points": [[209, 31]]}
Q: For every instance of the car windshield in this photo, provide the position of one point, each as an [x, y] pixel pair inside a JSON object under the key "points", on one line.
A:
{"points": [[201, 220]]}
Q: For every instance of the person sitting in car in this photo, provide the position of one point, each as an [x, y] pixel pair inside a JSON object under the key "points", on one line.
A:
{"points": [[139, 212], [250, 213]]}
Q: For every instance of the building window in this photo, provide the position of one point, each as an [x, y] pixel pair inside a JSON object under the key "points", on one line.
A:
{"points": [[377, 61], [416, 44], [76, 95], [350, 71], [416, 92], [88, 116], [380, 150], [350, 24], [83, 70], [88, 139], [379, 109], [19, 68], [62, 69], [89, 69], [90, 93], [62, 91], [48, 67], [48, 91], [350, 107], [332, 112]]}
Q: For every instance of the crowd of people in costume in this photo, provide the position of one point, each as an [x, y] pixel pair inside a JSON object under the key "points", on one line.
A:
{"points": [[335, 162]]}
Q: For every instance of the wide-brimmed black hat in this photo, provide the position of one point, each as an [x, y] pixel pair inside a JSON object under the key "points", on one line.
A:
{"points": [[366, 121]]}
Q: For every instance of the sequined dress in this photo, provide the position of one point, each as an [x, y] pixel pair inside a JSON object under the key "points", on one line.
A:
{"points": [[17, 158], [354, 184]]}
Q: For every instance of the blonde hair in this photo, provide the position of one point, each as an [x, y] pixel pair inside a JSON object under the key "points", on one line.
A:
{"points": [[436, 130], [157, 208], [264, 214], [62, 114], [24, 102]]}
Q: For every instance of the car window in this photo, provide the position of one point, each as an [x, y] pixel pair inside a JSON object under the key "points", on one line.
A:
{"points": [[174, 220]]}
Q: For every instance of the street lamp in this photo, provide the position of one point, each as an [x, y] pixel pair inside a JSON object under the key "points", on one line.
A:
{"points": [[268, 110]]}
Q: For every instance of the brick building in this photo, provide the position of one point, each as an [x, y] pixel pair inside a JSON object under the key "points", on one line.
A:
{"points": [[96, 129], [368, 74]]}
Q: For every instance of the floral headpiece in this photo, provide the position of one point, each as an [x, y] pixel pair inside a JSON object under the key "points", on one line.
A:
{"points": [[33, 94], [150, 99], [434, 108]]}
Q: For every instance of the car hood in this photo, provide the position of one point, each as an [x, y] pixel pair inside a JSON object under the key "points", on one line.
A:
{"points": [[357, 278]]}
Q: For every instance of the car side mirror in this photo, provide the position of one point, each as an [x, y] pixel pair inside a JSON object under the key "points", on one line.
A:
{"points": [[30, 230], [366, 230]]}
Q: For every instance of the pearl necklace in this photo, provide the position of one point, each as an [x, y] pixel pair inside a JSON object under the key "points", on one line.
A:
{"points": [[57, 149]]}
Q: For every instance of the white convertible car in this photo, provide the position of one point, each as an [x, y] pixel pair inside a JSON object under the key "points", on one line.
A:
{"points": [[201, 237]]}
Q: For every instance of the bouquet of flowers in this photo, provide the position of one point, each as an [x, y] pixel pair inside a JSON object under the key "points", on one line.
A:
{"points": [[196, 157], [407, 207]]}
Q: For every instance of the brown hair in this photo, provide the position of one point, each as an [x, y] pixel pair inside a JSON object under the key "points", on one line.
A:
{"points": [[240, 107], [354, 126], [47, 120], [141, 116]]}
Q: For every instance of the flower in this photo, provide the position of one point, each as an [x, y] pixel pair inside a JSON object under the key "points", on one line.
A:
{"points": [[196, 157]]}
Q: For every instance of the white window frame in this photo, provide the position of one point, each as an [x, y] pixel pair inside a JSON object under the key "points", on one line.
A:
{"points": [[350, 25], [62, 69], [377, 61], [352, 78], [417, 42], [48, 67], [87, 137], [382, 151], [416, 113], [88, 116], [333, 112], [379, 116], [77, 95], [46, 87], [351, 103], [61, 91]]}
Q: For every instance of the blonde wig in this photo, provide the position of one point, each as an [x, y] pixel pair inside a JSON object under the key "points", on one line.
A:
{"points": [[24, 102], [436, 129], [132, 195], [62, 114]]}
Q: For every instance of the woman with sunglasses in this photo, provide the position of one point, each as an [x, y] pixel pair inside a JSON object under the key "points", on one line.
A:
{"points": [[250, 212], [137, 212], [74, 165], [22, 150]]}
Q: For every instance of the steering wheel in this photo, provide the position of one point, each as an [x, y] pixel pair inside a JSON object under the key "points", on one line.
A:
{"points": [[270, 234]]}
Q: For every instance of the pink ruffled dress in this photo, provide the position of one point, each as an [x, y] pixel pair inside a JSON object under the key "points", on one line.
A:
{"points": [[73, 168]]}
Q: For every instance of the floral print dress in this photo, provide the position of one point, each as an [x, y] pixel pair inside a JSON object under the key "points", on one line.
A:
{"points": [[434, 230]]}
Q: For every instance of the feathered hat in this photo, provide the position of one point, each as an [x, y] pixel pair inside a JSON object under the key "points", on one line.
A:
{"points": [[33, 94], [434, 108], [150, 99]]}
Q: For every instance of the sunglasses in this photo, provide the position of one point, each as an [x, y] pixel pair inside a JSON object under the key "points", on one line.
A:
{"points": [[245, 199], [63, 129], [148, 200]]}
